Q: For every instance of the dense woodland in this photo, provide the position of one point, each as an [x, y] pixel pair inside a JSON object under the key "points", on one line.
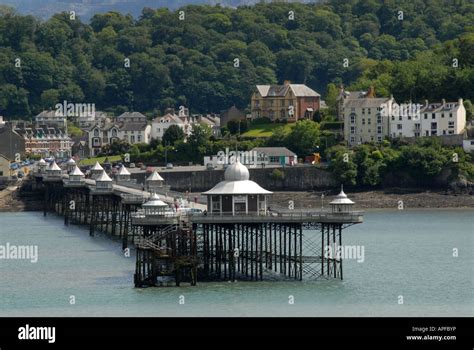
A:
{"points": [[192, 61]]}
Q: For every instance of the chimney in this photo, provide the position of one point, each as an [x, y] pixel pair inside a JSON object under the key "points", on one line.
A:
{"points": [[287, 82], [371, 92], [426, 103], [460, 101], [443, 101]]}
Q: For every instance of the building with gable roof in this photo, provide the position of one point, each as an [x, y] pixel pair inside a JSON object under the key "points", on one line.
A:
{"points": [[289, 102]]}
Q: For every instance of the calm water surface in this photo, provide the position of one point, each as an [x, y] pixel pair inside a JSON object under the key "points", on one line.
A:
{"points": [[408, 253]]}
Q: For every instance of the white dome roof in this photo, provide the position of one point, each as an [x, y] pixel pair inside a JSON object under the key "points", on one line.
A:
{"points": [[42, 161], [341, 198], [236, 172], [71, 162]]}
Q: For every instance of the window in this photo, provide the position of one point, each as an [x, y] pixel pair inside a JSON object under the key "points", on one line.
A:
{"points": [[379, 138], [451, 124], [363, 121], [433, 116], [371, 138], [139, 138], [352, 139], [450, 115], [444, 132], [427, 133], [368, 110], [379, 129], [399, 126], [417, 134], [400, 118], [393, 117], [368, 121], [379, 119], [434, 125], [417, 126], [132, 139], [282, 103], [352, 118], [434, 133], [442, 115], [409, 117], [353, 130], [426, 116], [96, 132], [363, 110], [216, 203]]}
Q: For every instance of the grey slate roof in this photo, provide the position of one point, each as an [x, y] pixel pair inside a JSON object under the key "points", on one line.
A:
{"points": [[275, 151]]}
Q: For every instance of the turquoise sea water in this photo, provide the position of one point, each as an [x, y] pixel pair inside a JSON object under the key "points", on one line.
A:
{"points": [[407, 253]]}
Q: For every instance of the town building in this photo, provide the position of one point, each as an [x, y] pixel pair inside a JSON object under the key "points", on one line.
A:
{"points": [[275, 156], [364, 120], [4, 168], [288, 102], [433, 119], [350, 95], [45, 140], [51, 118], [11, 142], [233, 113], [185, 122], [124, 129]]}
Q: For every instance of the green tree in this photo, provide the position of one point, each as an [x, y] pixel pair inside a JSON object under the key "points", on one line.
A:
{"points": [[173, 134]]}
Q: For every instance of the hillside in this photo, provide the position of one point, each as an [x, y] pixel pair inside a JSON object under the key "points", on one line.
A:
{"points": [[214, 57]]}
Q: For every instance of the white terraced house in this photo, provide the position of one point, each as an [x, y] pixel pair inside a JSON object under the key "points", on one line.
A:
{"points": [[435, 119]]}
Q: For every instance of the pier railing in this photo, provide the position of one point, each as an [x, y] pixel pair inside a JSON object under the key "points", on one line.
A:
{"points": [[288, 216]]}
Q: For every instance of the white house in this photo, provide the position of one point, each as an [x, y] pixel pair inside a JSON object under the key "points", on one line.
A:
{"points": [[434, 119], [159, 125], [131, 132]]}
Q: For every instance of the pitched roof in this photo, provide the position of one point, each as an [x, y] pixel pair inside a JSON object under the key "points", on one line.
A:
{"points": [[155, 177], [365, 102], [168, 118], [134, 126], [103, 177], [131, 115], [97, 166], [274, 151], [299, 90], [77, 171], [123, 171]]}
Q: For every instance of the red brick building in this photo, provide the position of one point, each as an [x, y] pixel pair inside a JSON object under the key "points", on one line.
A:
{"points": [[290, 102]]}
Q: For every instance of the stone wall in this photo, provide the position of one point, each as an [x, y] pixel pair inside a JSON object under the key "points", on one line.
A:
{"points": [[294, 179]]}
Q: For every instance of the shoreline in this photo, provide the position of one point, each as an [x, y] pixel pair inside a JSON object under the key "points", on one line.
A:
{"points": [[13, 201]]}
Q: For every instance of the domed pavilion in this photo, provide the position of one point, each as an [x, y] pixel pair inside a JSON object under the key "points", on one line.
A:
{"points": [[237, 195]]}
